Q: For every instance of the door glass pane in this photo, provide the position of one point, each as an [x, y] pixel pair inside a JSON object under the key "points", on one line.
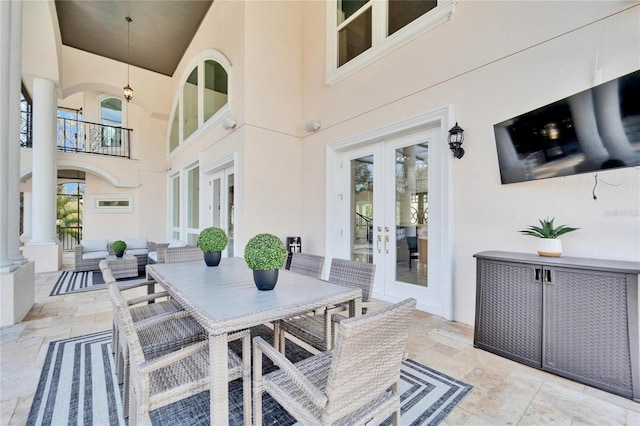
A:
{"points": [[230, 201], [354, 38], [215, 88], [175, 221], [411, 213], [362, 209], [403, 12], [217, 203], [190, 104], [193, 182]]}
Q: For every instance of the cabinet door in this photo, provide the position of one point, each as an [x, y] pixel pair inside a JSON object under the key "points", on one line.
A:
{"points": [[586, 335], [509, 311]]}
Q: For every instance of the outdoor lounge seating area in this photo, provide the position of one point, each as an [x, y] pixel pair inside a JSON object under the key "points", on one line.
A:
{"points": [[89, 253]]}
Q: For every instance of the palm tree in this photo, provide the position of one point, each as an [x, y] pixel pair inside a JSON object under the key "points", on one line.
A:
{"points": [[67, 215]]}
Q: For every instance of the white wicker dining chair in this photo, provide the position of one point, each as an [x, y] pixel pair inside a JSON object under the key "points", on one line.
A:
{"points": [[356, 383], [315, 329], [307, 264], [143, 307], [175, 374], [158, 334]]}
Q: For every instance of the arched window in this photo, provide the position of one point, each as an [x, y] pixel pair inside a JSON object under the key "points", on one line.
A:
{"points": [[202, 99], [111, 119]]}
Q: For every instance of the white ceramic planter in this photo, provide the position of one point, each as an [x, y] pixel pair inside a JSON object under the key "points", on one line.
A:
{"points": [[550, 247]]}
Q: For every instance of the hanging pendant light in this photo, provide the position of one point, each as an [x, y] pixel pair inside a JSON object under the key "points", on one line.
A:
{"points": [[128, 91]]}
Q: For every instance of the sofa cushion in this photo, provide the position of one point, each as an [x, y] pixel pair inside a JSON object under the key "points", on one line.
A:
{"points": [[94, 245], [153, 257], [137, 251], [95, 255], [136, 243], [177, 243]]}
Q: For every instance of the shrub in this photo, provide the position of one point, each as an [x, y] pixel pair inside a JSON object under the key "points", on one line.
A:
{"points": [[212, 239], [119, 246], [265, 252]]}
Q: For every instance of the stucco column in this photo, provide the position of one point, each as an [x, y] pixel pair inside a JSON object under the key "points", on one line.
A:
{"points": [[43, 247], [5, 107], [15, 81], [17, 281], [43, 227]]}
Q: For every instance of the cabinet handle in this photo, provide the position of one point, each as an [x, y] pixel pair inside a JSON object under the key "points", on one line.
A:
{"points": [[547, 275], [536, 274]]}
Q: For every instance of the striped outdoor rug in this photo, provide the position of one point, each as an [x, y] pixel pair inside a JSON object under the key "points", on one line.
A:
{"points": [[78, 387], [75, 282]]}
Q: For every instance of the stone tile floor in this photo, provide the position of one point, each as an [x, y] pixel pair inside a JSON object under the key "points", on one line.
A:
{"points": [[504, 392]]}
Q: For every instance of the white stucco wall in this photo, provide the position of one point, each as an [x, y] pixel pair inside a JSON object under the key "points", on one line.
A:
{"points": [[491, 61]]}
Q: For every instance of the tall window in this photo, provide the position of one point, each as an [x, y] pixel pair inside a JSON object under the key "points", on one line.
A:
{"points": [[26, 104], [175, 207], [111, 116], [365, 30], [193, 205], [201, 99]]}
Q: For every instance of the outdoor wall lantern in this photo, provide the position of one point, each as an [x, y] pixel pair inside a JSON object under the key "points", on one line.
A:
{"points": [[456, 136]]}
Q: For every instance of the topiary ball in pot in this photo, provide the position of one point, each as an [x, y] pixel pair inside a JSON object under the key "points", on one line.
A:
{"points": [[119, 247], [212, 241], [265, 254]]}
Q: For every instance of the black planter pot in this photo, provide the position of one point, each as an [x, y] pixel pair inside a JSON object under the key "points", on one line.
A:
{"points": [[265, 280], [119, 253], [212, 259]]}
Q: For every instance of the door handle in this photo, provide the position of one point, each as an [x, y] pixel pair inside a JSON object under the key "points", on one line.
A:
{"points": [[378, 242], [386, 240]]}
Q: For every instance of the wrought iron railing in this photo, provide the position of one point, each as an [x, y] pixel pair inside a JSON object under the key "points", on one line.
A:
{"points": [[69, 236], [363, 228], [83, 136]]}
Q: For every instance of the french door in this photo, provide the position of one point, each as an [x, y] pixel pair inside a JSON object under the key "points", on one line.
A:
{"points": [[387, 214], [221, 207]]}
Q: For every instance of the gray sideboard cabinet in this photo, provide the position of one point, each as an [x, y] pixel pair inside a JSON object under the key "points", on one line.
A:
{"points": [[574, 317]]}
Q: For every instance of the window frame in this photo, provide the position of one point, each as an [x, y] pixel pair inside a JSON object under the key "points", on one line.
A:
{"points": [[381, 43], [177, 106], [97, 199]]}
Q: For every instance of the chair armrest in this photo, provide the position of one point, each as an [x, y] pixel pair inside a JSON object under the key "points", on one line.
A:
{"points": [[238, 335], [289, 369], [168, 359], [159, 319], [147, 298]]}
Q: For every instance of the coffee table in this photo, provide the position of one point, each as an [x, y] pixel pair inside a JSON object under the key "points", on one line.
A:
{"points": [[123, 267]]}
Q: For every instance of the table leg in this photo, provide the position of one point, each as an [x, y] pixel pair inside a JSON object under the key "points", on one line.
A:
{"points": [[219, 375], [355, 307]]}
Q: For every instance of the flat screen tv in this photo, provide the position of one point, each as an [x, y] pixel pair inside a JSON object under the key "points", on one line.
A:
{"points": [[595, 129]]}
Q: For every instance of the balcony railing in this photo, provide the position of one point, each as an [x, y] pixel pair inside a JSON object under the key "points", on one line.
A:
{"points": [[83, 136]]}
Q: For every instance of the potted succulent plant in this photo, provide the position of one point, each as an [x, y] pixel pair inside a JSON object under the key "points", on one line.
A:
{"points": [[212, 241], [549, 245], [265, 254], [119, 247]]}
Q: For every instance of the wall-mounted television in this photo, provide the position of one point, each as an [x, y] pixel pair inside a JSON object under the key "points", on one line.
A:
{"points": [[595, 129]]}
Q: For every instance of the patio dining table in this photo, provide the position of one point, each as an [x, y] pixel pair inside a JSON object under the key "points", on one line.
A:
{"points": [[224, 299]]}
